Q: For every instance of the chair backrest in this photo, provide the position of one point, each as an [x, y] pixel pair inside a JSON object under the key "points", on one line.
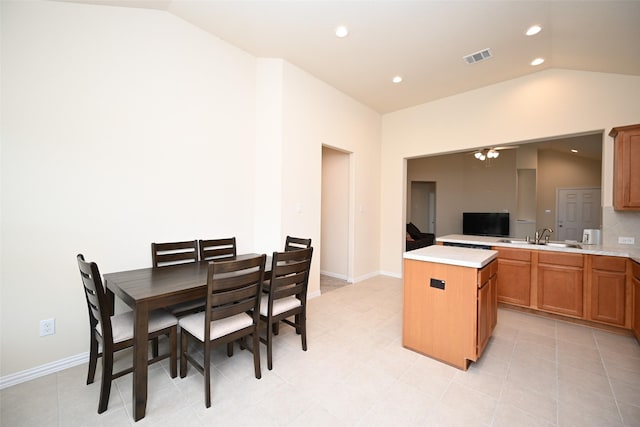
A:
{"points": [[296, 243], [99, 316], [234, 287], [174, 253], [290, 274], [217, 249]]}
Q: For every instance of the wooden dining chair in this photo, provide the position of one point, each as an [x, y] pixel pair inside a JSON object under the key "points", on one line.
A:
{"points": [[287, 296], [115, 333], [233, 300], [177, 253], [217, 249], [296, 243], [174, 253]]}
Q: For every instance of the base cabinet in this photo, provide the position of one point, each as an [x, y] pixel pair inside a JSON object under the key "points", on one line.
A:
{"points": [[635, 267], [514, 278], [487, 305], [608, 290], [560, 283]]}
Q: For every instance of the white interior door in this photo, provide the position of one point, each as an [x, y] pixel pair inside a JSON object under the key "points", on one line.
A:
{"points": [[423, 206], [577, 209]]}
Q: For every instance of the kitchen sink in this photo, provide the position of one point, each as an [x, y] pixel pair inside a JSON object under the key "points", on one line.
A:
{"points": [[516, 241], [530, 242], [563, 245]]}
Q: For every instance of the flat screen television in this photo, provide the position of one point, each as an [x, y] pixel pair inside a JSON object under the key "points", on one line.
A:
{"points": [[486, 224]]}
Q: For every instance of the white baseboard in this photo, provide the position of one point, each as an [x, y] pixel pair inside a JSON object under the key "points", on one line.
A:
{"points": [[390, 274], [42, 370], [334, 275]]}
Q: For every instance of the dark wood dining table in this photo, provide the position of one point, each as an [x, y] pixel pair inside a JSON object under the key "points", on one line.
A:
{"points": [[147, 289]]}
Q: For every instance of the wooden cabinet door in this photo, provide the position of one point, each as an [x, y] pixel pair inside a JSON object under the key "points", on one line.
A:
{"points": [[484, 316], [560, 287], [626, 178], [487, 305], [608, 289], [514, 276], [636, 300]]}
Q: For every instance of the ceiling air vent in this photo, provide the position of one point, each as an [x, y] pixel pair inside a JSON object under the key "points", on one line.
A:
{"points": [[478, 56]]}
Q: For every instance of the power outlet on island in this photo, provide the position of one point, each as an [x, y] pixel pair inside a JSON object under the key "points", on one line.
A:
{"points": [[626, 240]]}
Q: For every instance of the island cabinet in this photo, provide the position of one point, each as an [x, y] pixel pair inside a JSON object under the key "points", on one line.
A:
{"points": [[514, 276], [608, 289], [626, 174], [560, 283], [635, 280], [449, 309]]}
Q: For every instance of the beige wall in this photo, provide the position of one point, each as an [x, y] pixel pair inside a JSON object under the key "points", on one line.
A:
{"points": [[464, 184], [542, 105], [558, 170], [124, 126]]}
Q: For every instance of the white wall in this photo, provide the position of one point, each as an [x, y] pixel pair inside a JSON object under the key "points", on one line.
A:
{"points": [[125, 126], [316, 114], [546, 104], [335, 214]]}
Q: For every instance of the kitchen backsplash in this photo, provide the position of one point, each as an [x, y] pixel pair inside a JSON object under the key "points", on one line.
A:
{"points": [[617, 224]]}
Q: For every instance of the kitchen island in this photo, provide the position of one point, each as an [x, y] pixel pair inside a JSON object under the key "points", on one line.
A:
{"points": [[449, 302]]}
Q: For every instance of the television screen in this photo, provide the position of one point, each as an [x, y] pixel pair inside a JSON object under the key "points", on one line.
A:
{"points": [[486, 224]]}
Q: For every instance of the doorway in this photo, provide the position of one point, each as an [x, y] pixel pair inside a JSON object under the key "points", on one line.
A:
{"points": [[335, 256], [423, 205], [578, 208]]}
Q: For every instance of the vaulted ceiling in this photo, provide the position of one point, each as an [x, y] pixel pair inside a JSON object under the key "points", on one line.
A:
{"points": [[422, 41]]}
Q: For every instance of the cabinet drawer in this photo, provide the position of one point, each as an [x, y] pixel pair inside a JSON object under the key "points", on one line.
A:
{"points": [[515, 254], [487, 271], [558, 258], [609, 263]]}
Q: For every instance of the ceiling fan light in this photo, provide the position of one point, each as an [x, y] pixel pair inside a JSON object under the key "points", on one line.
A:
{"points": [[492, 154], [477, 155]]}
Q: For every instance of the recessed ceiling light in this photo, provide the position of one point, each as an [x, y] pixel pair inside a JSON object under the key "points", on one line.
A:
{"points": [[342, 31], [397, 79], [537, 61], [533, 30]]}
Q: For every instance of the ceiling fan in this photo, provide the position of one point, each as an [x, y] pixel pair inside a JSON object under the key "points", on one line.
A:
{"points": [[491, 153]]}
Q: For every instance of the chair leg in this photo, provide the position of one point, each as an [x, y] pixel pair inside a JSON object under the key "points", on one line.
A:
{"points": [[207, 376], [230, 349], [303, 330], [93, 359], [256, 353], [154, 347], [183, 354], [105, 386], [173, 357], [269, 347]]}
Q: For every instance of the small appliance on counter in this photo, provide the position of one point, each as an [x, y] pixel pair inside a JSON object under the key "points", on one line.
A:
{"points": [[591, 236]]}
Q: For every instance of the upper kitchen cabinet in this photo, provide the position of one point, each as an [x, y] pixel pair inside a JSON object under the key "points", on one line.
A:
{"points": [[626, 178]]}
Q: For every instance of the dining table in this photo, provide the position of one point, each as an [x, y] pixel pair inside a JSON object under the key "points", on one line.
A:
{"points": [[150, 288]]}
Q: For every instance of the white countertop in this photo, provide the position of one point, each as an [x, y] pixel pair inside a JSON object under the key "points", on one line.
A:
{"points": [[628, 251], [464, 257]]}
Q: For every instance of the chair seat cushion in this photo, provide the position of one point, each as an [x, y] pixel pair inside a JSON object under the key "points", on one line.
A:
{"points": [[122, 324], [279, 305], [185, 307], [194, 324]]}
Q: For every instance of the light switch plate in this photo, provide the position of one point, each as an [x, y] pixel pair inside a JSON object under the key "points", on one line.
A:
{"points": [[626, 240]]}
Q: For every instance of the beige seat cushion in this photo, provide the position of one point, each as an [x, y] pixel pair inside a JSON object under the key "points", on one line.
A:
{"points": [[122, 324], [279, 306], [194, 324]]}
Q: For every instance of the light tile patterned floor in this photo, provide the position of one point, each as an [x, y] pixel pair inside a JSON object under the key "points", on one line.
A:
{"points": [[535, 372]]}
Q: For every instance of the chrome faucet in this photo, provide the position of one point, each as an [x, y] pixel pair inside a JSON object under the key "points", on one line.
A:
{"points": [[540, 234]]}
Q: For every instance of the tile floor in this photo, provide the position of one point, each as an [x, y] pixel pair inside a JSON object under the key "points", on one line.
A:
{"points": [[535, 372]]}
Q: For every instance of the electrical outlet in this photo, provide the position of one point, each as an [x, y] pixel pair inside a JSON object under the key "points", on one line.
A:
{"points": [[47, 327], [626, 240]]}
